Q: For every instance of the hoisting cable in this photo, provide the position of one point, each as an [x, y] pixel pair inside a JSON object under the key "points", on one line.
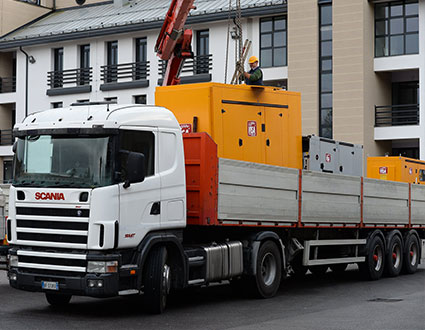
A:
{"points": [[227, 44]]}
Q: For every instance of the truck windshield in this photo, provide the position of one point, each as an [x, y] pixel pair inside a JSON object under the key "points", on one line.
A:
{"points": [[63, 161]]}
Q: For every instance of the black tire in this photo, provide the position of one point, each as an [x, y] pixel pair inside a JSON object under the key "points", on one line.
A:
{"points": [[58, 299], [266, 282], [338, 269], [394, 257], [157, 280], [373, 267], [319, 270], [411, 254]]}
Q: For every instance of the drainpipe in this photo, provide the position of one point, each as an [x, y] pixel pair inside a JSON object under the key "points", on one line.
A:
{"points": [[26, 81]]}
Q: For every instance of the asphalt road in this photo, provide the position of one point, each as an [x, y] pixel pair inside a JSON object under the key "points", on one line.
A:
{"points": [[327, 303]]}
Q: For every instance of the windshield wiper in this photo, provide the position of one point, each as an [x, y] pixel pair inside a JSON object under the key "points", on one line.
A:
{"points": [[23, 183]]}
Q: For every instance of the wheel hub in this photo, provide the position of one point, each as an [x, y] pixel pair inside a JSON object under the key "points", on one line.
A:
{"points": [[166, 283], [268, 269], [377, 257]]}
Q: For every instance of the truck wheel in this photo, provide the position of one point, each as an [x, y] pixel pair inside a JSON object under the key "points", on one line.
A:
{"points": [[411, 254], [157, 277], [373, 267], [394, 257], [338, 269], [318, 271], [268, 270], [58, 299]]}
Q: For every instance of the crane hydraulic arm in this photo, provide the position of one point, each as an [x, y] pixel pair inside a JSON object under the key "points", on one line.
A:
{"points": [[174, 42]]}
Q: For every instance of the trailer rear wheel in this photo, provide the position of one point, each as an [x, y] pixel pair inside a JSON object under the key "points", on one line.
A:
{"points": [[394, 257], [58, 299], [268, 270], [373, 267], [157, 279], [411, 254]]}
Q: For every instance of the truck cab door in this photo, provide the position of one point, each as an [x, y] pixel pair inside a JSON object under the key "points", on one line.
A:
{"points": [[173, 183], [140, 202]]}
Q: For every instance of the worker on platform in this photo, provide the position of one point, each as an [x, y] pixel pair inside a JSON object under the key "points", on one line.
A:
{"points": [[255, 75]]}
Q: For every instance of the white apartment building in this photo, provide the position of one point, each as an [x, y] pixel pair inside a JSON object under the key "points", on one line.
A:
{"points": [[359, 64]]}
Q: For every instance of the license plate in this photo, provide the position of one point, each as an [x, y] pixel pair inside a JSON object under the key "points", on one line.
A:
{"points": [[50, 285]]}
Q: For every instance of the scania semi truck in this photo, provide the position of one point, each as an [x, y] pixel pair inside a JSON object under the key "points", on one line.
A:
{"points": [[112, 200]]}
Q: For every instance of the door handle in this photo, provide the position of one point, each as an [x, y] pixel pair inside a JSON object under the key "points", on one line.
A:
{"points": [[156, 208]]}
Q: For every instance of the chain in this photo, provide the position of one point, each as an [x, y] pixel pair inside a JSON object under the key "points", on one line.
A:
{"points": [[239, 31], [239, 26], [227, 46]]}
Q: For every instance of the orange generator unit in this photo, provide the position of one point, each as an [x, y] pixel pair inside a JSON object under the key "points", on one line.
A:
{"points": [[396, 168], [250, 123]]}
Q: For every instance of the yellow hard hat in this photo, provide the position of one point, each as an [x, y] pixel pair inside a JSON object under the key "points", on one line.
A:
{"points": [[253, 59]]}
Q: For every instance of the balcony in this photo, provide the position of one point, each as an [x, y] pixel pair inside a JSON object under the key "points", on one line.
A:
{"points": [[6, 137], [7, 84], [124, 76], [396, 115], [194, 70], [69, 81]]}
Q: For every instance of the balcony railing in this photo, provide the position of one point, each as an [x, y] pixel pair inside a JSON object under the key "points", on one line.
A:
{"points": [[125, 72], [7, 84], [198, 65], [6, 137], [396, 115], [69, 78]]}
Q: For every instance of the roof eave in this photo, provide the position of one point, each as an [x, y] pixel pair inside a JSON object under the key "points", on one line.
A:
{"points": [[248, 12]]}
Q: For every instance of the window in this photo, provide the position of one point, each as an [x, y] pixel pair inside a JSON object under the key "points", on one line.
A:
{"points": [[141, 59], [112, 61], [201, 63], [84, 77], [7, 171], [405, 93], [69, 160], [325, 70], [58, 67], [139, 99], [33, 2], [273, 45], [56, 105], [397, 28], [137, 141], [111, 99]]}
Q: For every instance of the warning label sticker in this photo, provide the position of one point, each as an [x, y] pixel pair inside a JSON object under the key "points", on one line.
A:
{"points": [[383, 170], [186, 128], [252, 128], [328, 158]]}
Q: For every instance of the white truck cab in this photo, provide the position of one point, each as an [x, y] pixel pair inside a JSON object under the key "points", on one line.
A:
{"points": [[92, 178]]}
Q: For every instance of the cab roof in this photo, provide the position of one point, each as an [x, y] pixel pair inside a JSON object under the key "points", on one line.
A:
{"points": [[106, 115]]}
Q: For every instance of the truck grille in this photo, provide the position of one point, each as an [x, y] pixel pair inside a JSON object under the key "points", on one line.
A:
{"points": [[52, 263], [55, 227]]}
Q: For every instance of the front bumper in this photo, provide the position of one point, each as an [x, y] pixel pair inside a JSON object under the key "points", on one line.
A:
{"points": [[69, 285], [4, 249]]}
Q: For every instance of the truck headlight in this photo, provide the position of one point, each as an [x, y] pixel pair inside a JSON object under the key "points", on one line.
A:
{"points": [[102, 267], [13, 260]]}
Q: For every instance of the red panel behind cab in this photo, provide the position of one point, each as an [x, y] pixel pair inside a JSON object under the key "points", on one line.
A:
{"points": [[201, 178]]}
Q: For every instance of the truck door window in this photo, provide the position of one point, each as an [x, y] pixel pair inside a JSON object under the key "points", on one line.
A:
{"points": [[138, 141]]}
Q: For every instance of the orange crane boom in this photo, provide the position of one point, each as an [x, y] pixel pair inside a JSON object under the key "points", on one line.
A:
{"points": [[174, 42]]}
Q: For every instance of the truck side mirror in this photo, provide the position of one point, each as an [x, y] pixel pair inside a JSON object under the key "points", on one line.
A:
{"points": [[15, 146], [135, 168]]}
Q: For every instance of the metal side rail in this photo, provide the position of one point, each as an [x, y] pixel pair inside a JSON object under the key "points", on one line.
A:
{"points": [[331, 261]]}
